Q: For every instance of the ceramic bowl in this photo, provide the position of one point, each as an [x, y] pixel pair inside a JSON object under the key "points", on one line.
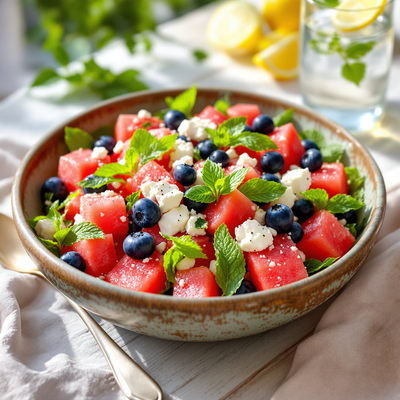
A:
{"points": [[206, 319]]}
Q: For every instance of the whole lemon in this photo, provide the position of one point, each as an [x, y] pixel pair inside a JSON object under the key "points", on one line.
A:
{"points": [[282, 14]]}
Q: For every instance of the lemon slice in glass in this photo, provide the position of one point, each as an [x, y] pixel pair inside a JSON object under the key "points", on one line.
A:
{"points": [[235, 28], [281, 58], [352, 15]]}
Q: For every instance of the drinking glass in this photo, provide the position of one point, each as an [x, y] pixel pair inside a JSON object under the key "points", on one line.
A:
{"points": [[344, 71]]}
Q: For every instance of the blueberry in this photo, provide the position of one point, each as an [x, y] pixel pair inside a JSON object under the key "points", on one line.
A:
{"points": [[206, 147], [146, 213], [139, 245], [309, 144], [279, 217], [220, 157], [56, 186], [349, 216], [173, 119], [303, 209], [105, 141], [248, 128], [312, 159], [270, 177], [185, 174], [75, 260], [184, 138], [246, 287], [90, 190], [272, 162], [132, 227], [263, 124], [194, 205], [296, 233]]}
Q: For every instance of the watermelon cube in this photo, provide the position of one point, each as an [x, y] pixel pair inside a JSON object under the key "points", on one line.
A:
{"points": [[325, 236], [77, 165], [244, 110], [269, 269], [195, 282], [139, 275], [127, 124], [155, 232], [331, 177], [252, 173], [212, 114], [232, 209], [107, 212], [99, 254]]}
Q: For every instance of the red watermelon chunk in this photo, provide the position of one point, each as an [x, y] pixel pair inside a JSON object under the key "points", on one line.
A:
{"points": [[107, 212], [252, 153], [325, 236], [232, 209], [120, 156], [77, 165], [73, 207], [331, 177], [99, 254], [196, 282], [244, 110], [289, 143], [252, 173], [127, 124], [155, 232], [138, 275], [269, 269], [213, 115]]}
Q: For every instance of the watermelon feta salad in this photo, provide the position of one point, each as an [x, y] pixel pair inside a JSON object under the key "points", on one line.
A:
{"points": [[229, 201]]}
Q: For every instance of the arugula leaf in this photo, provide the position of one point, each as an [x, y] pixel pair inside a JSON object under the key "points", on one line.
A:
{"points": [[131, 200], [110, 170], [184, 102], [318, 196], [342, 203], [316, 136], [253, 141], [332, 153], [201, 223], [259, 190], [312, 265], [230, 266], [76, 139], [201, 194], [283, 118], [171, 258], [223, 104], [99, 181]]}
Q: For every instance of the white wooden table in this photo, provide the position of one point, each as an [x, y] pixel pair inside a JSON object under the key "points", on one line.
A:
{"points": [[249, 368]]}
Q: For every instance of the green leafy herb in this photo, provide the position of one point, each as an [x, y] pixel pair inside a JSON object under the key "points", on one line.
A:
{"points": [[171, 258], [199, 55], [201, 223], [313, 266], [223, 104], [263, 191], [184, 102], [76, 138], [230, 266], [46, 76], [131, 200], [356, 229], [147, 124], [356, 183], [109, 170], [316, 136], [33, 221], [332, 153], [283, 118], [353, 70], [253, 141], [329, 3], [50, 245], [196, 154], [318, 196], [99, 181], [202, 194]]}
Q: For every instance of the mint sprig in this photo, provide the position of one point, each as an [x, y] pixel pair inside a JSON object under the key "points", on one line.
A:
{"points": [[223, 104], [76, 138], [260, 190], [356, 183], [230, 265], [110, 170], [313, 266], [131, 200], [217, 184], [283, 118], [184, 102]]}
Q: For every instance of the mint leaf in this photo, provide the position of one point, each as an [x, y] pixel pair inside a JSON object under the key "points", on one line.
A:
{"points": [[312, 265], [223, 104], [283, 118], [332, 152], [60, 236], [354, 72], [356, 183], [184, 102], [81, 231], [196, 154], [314, 135], [186, 245], [55, 216], [233, 180], [131, 159], [110, 170], [220, 137], [76, 139], [318, 196], [199, 55], [352, 229], [45, 76], [253, 141], [259, 190], [235, 125], [50, 245], [342, 203], [230, 266], [99, 181], [141, 140], [201, 223], [357, 50], [201, 194], [157, 149], [356, 229], [211, 173], [171, 259], [131, 200], [147, 124]]}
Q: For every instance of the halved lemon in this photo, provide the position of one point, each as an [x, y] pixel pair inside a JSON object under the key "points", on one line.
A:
{"points": [[235, 28], [272, 37], [352, 15], [282, 14], [281, 58]]}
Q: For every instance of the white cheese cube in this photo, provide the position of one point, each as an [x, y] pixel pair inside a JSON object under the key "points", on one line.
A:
{"points": [[184, 160], [45, 229], [251, 236], [245, 158], [119, 146], [298, 179], [167, 196], [232, 153], [161, 247], [144, 114], [288, 198], [190, 225], [182, 149], [185, 263], [199, 179], [99, 153], [194, 128], [174, 220], [213, 265]]}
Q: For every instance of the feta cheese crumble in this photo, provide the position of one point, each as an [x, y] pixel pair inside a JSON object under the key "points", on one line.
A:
{"points": [[288, 198], [298, 179], [174, 220], [232, 153], [161, 247], [99, 153], [119, 146], [260, 216], [181, 283], [78, 219], [144, 114], [182, 149], [45, 229], [184, 160], [213, 265], [194, 128], [191, 228], [185, 263], [167, 196], [245, 158], [251, 236], [116, 185]]}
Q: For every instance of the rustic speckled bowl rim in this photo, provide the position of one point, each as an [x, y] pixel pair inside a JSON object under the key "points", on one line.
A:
{"points": [[236, 303]]}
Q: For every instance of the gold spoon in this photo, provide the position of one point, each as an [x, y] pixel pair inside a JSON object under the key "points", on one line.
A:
{"points": [[134, 382]]}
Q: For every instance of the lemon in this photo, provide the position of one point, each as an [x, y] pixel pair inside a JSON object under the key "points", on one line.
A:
{"points": [[272, 37], [281, 58], [282, 14], [235, 28], [352, 15]]}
